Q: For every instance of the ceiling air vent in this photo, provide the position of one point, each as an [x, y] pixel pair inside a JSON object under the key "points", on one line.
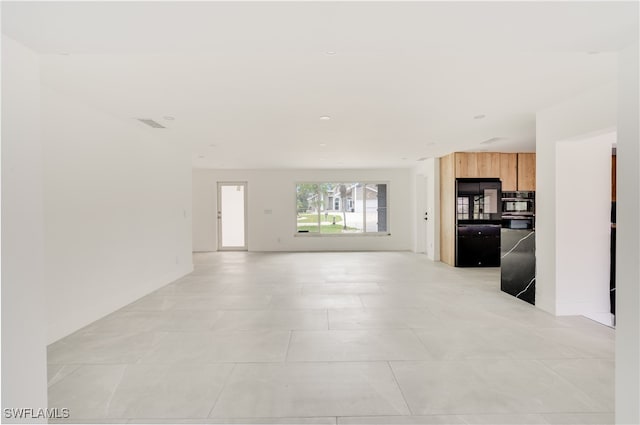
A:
{"points": [[492, 140], [151, 123]]}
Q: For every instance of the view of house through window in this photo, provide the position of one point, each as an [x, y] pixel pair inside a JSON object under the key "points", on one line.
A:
{"points": [[325, 208]]}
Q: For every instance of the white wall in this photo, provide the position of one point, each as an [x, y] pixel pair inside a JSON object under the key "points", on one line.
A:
{"points": [[583, 229], [117, 211], [274, 191], [24, 373], [628, 247], [588, 114]]}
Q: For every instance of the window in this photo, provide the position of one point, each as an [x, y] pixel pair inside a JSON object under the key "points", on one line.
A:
{"points": [[342, 208]]}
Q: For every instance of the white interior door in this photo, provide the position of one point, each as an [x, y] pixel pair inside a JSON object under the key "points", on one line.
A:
{"points": [[421, 208], [232, 217], [426, 216]]}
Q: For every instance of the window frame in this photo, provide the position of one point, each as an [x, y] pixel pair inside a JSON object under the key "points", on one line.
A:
{"points": [[364, 233]]}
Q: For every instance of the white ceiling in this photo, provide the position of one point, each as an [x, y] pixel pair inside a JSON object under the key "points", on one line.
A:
{"points": [[248, 81]]}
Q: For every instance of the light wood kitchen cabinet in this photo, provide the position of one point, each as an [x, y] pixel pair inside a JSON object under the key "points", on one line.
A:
{"points": [[527, 171], [477, 164], [613, 177], [466, 164], [488, 164], [509, 171]]}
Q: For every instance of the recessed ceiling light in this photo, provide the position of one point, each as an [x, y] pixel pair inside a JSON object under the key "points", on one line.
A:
{"points": [[325, 118], [403, 158], [331, 52], [200, 156], [322, 145], [479, 117], [168, 118], [421, 159]]}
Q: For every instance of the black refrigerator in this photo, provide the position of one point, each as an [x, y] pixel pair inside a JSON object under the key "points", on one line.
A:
{"points": [[478, 222]]}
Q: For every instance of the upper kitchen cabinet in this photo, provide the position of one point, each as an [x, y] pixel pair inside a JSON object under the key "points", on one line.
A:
{"points": [[488, 164], [477, 164], [509, 171], [527, 171], [466, 164], [516, 170]]}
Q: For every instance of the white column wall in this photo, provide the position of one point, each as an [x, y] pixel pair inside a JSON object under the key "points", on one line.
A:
{"points": [[591, 113], [583, 229], [628, 247], [24, 361]]}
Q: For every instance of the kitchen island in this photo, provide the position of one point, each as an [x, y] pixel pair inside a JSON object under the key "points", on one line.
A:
{"points": [[518, 263]]}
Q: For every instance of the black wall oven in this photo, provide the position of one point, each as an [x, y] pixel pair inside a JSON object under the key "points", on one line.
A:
{"points": [[518, 203], [518, 210]]}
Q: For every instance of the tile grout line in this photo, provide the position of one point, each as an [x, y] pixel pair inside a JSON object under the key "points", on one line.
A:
{"points": [[400, 388], [423, 344], [224, 385], [564, 379], [328, 325], [115, 388], [78, 366], [286, 355], [53, 378]]}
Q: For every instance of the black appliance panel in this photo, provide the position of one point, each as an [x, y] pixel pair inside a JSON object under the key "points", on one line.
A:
{"points": [[518, 222], [478, 200], [478, 222], [478, 245]]}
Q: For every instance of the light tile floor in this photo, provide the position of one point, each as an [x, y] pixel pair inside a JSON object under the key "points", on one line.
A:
{"points": [[334, 338]]}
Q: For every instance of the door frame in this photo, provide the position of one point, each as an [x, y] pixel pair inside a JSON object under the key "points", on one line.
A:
{"points": [[219, 215]]}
